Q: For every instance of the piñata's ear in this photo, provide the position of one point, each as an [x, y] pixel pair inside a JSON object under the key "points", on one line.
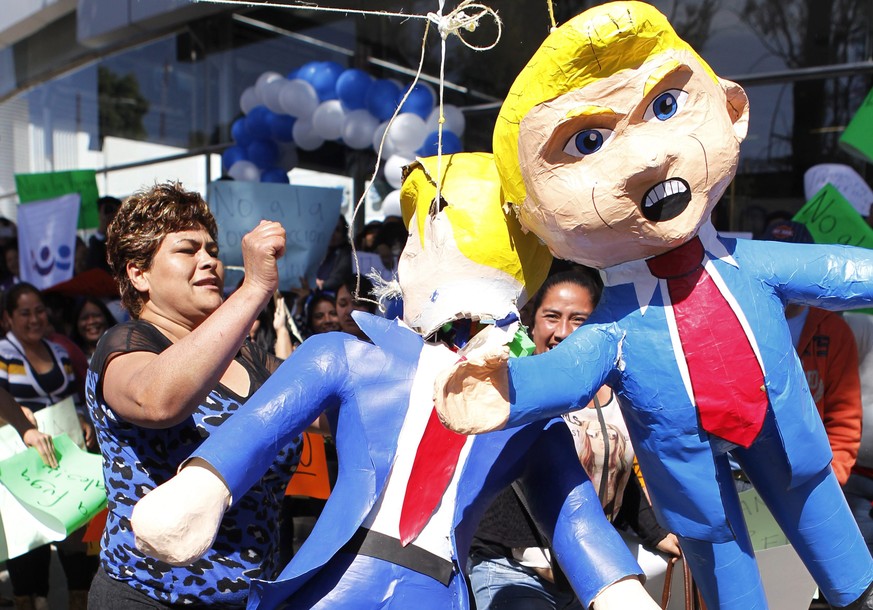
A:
{"points": [[737, 107]]}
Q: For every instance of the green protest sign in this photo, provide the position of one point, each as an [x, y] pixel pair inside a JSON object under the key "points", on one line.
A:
{"points": [[763, 529], [37, 187], [857, 139], [832, 220], [64, 498]]}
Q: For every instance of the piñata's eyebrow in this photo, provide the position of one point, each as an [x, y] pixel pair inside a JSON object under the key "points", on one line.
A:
{"points": [[590, 111], [662, 72]]}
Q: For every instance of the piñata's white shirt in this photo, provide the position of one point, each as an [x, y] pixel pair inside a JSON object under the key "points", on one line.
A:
{"points": [[385, 515]]}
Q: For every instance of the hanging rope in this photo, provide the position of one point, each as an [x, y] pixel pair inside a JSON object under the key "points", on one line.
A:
{"points": [[552, 16], [463, 18]]}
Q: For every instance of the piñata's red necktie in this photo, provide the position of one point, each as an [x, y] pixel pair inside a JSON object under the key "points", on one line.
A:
{"points": [[432, 469], [726, 377]]}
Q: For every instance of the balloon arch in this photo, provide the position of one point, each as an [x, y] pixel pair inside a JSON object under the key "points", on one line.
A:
{"points": [[323, 101]]}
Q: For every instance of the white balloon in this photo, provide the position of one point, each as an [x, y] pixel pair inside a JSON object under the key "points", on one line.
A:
{"points": [[359, 128], [387, 148], [407, 133], [245, 171], [270, 94], [298, 98], [305, 136], [248, 100], [265, 79], [391, 204], [328, 118], [455, 121], [394, 169]]}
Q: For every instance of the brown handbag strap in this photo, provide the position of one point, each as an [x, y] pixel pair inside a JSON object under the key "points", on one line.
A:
{"points": [[668, 582], [693, 599]]}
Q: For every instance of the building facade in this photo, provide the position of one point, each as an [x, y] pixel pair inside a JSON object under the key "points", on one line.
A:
{"points": [[145, 90]]}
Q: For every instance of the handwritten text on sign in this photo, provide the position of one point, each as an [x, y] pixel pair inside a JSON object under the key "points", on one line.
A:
{"points": [[69, 495], [308, 214], [832, 220]]}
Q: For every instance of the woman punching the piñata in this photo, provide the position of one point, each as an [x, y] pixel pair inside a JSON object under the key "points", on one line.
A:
{"points": [[615, 143]]}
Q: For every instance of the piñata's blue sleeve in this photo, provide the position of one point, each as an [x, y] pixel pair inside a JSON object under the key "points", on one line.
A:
{"points": [[565, 378], [566, 508], [305, 385], [827, 276]]}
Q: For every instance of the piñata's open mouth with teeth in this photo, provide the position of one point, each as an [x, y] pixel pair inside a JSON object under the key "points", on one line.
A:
{"points": [[666, 200]]}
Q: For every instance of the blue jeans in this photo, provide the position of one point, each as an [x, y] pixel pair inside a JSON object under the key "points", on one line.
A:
{"points": [[504, 584], [859, 493]]}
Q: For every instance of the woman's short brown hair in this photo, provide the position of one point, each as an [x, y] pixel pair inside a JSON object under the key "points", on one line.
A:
{"points": [[139, 227]]}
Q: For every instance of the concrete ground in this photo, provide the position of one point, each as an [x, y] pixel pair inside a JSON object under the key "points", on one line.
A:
{"points": [[57, 586]]}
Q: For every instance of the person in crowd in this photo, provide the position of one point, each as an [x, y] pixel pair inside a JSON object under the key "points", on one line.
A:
{"points": [[511, 565], [8, 233], [321, 315], [38, 373], [23, 421], [388, 243], [270, 329], [303, 512], [91, 318], [12, 262], [346, 303], [829, 357], [163, 382], [859, 487], [337, 263], [80, 259], [365, 240], [107, 207]]}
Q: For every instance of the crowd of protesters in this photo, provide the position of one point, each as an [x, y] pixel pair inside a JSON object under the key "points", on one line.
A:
{"points": [[153, 244]]}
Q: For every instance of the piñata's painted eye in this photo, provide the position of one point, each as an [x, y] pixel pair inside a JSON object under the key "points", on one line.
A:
{"points": [[666, 105], [587, 142]]}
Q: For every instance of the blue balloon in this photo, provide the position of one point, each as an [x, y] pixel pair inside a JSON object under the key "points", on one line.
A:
{"points": [[257, 122], [281, 127], [322, 75], [263, 153], [231, 155], [351, 88], [240, 133], [275, 174], [382, 99], [451, 144], [420, 101], [293, 74]]}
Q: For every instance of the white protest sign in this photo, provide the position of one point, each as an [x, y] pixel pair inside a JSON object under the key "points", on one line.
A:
{"points": [[47, 240], [845, 179], [308, 213]]}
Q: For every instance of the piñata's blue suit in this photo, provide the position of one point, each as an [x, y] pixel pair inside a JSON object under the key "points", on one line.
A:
{"points": [[365, 389], [628, 344]]}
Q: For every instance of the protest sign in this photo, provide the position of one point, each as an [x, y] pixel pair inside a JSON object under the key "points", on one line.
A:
{"points": [[20, 530], [38, 187], [311, 479], [832, 220], [47, 240], [787, 583], [845, 179], [308, 213], [857, 139], [763, 529], [63, 498]]}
